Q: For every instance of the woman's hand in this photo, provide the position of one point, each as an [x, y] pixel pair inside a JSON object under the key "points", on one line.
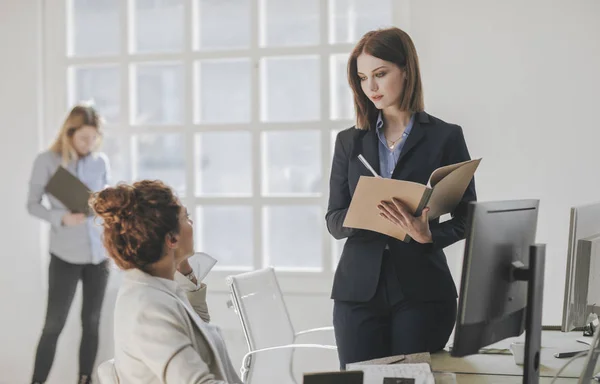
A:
{"points": [[416, 227], [184, 267], [72, 219]]}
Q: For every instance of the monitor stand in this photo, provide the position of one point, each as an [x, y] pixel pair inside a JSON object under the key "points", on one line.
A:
{"points": [[534, 275]]}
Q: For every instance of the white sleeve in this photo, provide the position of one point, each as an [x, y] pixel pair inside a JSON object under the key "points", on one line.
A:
{"points": [[160, 340], [195, 294]]}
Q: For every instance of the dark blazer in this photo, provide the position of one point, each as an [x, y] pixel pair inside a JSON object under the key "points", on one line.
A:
{"points": [[422, 268]]}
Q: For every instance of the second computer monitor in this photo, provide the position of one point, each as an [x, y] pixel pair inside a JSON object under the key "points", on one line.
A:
{"points": [[582, 292], [492, 303]]}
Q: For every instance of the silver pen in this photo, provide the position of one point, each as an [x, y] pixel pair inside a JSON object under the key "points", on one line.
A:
{"points": [[367, 165]]}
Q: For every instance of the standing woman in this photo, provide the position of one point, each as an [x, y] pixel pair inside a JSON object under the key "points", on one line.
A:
{"points": [[392, 297], [76, 250]]}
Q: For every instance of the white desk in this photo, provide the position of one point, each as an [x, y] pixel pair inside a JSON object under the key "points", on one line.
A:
{"points": [[488, 368]]}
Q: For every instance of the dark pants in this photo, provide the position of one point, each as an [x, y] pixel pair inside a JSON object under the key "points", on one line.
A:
{"points": [[62, 283], [388, 324]]}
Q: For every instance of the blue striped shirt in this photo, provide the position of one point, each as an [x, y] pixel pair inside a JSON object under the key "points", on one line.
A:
{"points": [[80, 244], [388, 158]]}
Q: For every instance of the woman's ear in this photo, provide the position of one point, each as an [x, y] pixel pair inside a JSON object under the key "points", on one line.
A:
{"points": [[172, 240]]}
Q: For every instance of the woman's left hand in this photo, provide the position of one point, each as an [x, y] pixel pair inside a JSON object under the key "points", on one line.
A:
{"points": [[416, 227]]}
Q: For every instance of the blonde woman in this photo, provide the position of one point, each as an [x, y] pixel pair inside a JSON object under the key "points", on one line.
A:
{"points": [[76, 250]]}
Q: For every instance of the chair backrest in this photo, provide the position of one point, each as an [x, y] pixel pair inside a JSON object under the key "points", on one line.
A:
{"points": [[107, 373], [258, 300]]}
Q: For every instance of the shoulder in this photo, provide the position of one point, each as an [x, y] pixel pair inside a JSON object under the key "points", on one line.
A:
{"points": [[439, 124], [140, 303], [48, 157], [348, 137], [440, 128], [349, 134], [47, 161], [101, 158]]}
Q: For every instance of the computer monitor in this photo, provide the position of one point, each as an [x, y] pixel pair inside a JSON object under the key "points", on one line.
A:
{"points": [[583, 267], [502, 280]]}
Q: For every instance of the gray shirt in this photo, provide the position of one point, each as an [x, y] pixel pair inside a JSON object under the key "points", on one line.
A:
{"points": [[79, 244]]}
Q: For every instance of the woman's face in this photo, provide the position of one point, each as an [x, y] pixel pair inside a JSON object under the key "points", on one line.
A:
{"points": [[84, 139], [381, 81], [185, 246]]}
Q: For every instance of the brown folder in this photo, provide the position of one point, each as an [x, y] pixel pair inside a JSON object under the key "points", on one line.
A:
{"points": [[443, 192], [70, 191]]}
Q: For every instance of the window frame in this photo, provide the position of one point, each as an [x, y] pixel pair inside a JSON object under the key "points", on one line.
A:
{"points": [[55, 104]]}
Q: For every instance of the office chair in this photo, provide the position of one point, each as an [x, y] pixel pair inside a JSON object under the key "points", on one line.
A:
{"points": [[257, 299], [107, 373]]}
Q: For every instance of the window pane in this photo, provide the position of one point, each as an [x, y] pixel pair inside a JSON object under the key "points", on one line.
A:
{"points": [[222, 24], [293, 163], [223, 164], [94, 27], [158, 26], [291, 89], [290, 22], [101, 85], [351, 19], [159, 94], [223, 91], [117, 150], [293, 236], [342, 106], [161, 157], [337, 248], [225, 232], [334, 134]]}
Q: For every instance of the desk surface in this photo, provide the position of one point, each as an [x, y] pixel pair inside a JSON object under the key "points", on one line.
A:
{"points": [[494, 364]]}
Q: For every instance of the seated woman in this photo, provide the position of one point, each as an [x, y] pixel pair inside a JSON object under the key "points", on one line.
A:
{"points": [[161, 329]]}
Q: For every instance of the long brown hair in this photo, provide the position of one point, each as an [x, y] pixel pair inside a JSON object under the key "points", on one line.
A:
{"points": [[396, 46], [78, 117]]}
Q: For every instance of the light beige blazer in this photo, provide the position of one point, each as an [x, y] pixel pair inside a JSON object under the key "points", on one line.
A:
{"points": [[162, 334]]}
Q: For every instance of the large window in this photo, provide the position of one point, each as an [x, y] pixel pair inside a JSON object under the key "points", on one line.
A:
{"points": [[233, 103]]}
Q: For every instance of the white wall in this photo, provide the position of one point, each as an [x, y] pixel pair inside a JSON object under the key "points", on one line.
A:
{"points": [[521, 77], [23, 274], [20, 274]]}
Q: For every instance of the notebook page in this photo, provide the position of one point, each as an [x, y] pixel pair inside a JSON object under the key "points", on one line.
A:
{"points": [[202, 263]]}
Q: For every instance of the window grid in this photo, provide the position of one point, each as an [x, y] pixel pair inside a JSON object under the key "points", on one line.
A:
{"points": [[59, 66]]}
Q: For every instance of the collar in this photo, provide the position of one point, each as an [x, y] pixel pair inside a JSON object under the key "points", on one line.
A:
{"points": [[409, 126]]}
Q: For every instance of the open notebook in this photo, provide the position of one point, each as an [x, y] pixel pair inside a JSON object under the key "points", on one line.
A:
{"points": [[202, 263], [443, 192]]}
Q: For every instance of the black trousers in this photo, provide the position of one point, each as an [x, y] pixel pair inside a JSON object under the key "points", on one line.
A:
{"points": [[62, 284], [388, 324]]}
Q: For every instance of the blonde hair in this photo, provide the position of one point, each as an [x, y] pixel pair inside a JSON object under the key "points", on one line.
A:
{"points": [[79, 116]]}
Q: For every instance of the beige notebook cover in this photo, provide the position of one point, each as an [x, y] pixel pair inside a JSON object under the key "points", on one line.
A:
{"points": [[443, 192]]}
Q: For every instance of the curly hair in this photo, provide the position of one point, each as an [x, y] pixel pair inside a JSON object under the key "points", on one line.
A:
{"points": [[136, 220]]}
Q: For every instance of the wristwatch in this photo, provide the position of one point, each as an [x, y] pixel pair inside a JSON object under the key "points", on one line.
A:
{"points": [[190, 276]]}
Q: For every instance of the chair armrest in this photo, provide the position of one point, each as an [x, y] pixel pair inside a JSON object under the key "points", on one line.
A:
{"points": [[288, 346], [322, 329]]}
